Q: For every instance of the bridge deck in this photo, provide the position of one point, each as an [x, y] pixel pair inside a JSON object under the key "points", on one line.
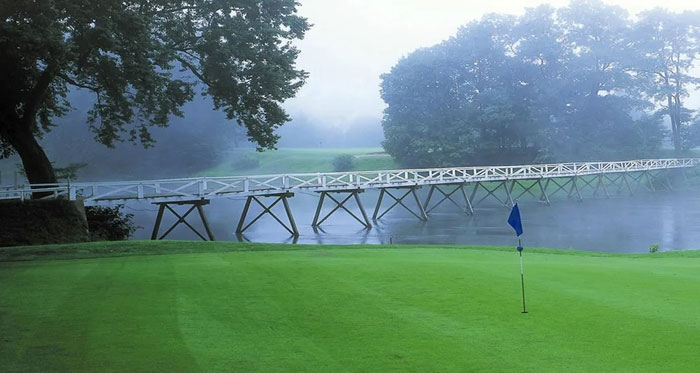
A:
{"points": [[171, 190]]}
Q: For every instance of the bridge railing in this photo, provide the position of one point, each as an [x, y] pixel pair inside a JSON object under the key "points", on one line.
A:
{"points": [[217, 187]]}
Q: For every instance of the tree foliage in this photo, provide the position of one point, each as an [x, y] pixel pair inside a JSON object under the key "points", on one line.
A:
{"points": [[667, 46], [549, 85], [143, 60]]}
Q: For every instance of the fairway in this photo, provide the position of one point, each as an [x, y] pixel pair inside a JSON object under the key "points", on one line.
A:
{"points": [[247, 307], [300, 160]]}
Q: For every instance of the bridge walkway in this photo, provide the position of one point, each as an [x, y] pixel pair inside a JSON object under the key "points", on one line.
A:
{"points": [[506, 184]]}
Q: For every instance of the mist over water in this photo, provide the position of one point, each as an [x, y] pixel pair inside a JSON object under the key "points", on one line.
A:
{"points": [[617, 224]]}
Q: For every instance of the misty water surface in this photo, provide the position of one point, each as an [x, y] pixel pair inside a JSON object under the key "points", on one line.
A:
{"points": [[618, 224]]}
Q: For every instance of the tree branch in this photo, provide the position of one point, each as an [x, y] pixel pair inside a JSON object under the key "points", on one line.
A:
{"points": [[31, 106], [193, 70], [71, 81]]}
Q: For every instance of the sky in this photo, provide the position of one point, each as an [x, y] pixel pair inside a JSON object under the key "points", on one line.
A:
{"points": [[353, 42]]}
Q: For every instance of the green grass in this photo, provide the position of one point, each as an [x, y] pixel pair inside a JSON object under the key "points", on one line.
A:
{"points": [[299, 160], [268, 307]]}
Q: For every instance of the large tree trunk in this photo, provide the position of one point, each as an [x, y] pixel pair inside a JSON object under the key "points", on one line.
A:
{"points": [[36, 164], [675, 126], [17, 130]]}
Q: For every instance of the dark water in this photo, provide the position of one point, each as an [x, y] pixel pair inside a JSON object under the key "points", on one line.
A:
{"points": [[618, 224]]}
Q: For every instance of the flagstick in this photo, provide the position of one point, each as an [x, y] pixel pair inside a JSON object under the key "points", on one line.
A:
{"points": [[522, 273]]}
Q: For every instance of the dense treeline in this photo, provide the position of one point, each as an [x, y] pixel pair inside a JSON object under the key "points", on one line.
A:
{"points": [[584, 82]]}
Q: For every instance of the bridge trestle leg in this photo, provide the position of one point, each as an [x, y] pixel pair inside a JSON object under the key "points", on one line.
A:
{"points": [[574, 188], [470, 208], [205, 222], [601, 185], [526, 189], [638, 182], [543, 190], [288, 210], [427, 199], [558, 187], [341, 205], [159, 218], [649, 180], [588, 183], [411, 190], [627, 183], [182, 219], [509, 192], [362, 210], [612, 182], [267, 210], [476, 187], [668, 180], [492, 193], [447, 196]]}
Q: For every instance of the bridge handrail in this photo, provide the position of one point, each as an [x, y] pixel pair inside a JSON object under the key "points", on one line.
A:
{"points": [[222, 186]]}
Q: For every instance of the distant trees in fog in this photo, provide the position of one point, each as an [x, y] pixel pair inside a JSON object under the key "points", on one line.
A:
{"points": [[577, 83]]}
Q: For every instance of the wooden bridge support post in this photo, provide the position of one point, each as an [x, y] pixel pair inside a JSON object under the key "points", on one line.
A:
{"points": [[589, 184], [421, 215], [668, 180], [353, 193], [557, 187], [639, 182], [448, 196], [649, 180], [181, 219], [574, 187], [601, 185], [491, 193], [544, 197], [267, 209], [612, 181], [627, 183], [509, 193], [528, 190], [470, 208]]}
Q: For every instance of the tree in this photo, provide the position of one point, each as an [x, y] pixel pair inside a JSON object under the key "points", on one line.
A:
{"points": [[550, 85], [143, 59], [605, 115], [667, 45], [459, 102]]}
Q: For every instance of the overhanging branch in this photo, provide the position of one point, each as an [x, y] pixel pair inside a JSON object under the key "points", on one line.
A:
{"points": [[31, 106], [73, 82], [193, 69]]}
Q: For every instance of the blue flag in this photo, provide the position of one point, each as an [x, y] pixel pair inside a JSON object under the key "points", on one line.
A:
{"points": [[514, 220]]}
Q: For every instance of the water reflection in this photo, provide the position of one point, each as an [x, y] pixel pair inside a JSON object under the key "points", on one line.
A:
{"points": [[618, 224]]}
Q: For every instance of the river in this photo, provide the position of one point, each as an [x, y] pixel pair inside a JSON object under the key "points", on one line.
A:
{"points": [[617, 224]]}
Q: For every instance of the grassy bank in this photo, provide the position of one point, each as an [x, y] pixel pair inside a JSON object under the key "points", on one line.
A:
{"points": [[298, 160], [247, 307]]}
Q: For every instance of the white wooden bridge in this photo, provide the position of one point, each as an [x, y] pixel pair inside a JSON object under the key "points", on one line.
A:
{"points": [[505, 183]]}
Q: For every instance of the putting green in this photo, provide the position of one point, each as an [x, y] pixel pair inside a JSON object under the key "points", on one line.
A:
{"points": [[332, 308]]}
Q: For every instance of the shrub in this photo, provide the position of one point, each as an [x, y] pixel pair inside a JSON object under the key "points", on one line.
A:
{"points": [[109, 223], [343, 162], [654, 248], [246, 162]]}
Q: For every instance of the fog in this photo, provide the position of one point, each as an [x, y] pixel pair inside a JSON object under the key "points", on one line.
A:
{"points": [[437, 84], [350, 45], [353, 42], [619, 224]]}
